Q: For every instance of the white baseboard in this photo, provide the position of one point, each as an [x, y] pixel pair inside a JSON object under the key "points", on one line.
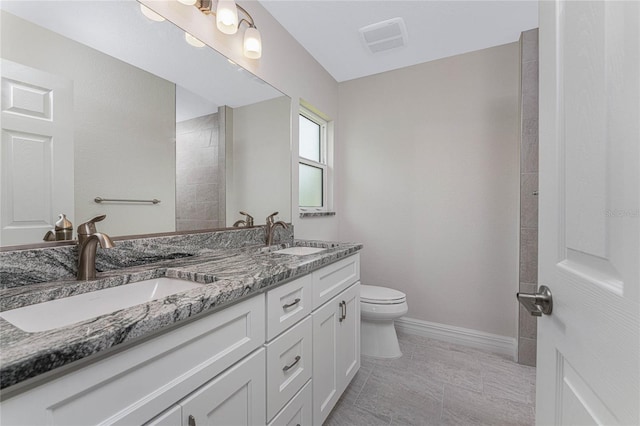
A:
{"points": [[493, 343]]}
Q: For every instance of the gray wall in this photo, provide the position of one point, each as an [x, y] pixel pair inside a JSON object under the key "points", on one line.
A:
{"points": [[429, 183], [527, 326], [259, 162]]}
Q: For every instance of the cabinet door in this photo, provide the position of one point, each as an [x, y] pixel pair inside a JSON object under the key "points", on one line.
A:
{"points": [[236, 397], [348, 355], [325, 368], [297, 411]]}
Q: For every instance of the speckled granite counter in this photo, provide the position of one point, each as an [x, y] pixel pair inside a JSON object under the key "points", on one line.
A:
{"points": [[230, 274]]}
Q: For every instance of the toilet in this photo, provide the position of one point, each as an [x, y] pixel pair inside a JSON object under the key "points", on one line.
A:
{"points": [[379, 308]]}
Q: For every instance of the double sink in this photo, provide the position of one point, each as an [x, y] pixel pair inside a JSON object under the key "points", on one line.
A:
{"points": [[69, 310]]}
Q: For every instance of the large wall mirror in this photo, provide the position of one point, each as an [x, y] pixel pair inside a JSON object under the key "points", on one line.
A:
{"points": [[100, 101]]}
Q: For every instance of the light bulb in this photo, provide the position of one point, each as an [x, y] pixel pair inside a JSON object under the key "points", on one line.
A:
{"points": [[150, 14], [188, 2], [252, 43], [227, 16], [192, 40]]}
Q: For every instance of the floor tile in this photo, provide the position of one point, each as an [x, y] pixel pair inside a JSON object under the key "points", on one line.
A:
{"points": [[438, 383], [349, 415], [406, 398], [466, 407]]}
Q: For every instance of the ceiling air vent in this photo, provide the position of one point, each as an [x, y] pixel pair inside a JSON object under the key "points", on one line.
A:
{"points": [[385, 35]]}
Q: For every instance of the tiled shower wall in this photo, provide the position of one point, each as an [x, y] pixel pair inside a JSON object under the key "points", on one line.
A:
{"points": [[527, 326], [199, 187]]}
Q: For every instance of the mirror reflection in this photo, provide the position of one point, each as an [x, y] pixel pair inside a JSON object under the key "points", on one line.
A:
{"points": [[100, 102]]}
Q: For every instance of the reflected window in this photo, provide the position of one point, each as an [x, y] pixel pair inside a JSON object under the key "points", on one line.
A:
{"points": [[312, 162]]}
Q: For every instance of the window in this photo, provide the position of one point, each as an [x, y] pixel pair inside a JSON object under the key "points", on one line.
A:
{"points": [[312, 162]]}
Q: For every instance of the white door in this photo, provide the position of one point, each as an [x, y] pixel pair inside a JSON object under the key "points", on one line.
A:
{"points": [[36, 158], [589, 255]]}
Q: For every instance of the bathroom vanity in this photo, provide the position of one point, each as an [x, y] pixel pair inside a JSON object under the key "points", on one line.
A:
{"points": [[268, 338]]}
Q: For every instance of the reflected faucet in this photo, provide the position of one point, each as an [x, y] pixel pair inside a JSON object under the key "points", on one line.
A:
{"points": [[248, 222], [88, 240], [271, 226]]}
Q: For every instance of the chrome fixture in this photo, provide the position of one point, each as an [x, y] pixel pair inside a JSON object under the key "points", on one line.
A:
{"points": [[537, 303], [122, 200], [63, 230], [271, 226], [88, 240], [227, 21], [248, 222]]}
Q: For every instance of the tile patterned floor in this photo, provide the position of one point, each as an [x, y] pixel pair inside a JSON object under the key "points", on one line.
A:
{"points": [[437, 383]]}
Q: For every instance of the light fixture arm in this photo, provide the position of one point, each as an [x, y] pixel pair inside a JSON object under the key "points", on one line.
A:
{"points": [[249, 21], [206, 7]]}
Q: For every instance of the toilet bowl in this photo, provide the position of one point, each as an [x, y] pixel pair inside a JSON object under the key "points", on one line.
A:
{"points": [[379, 307]]}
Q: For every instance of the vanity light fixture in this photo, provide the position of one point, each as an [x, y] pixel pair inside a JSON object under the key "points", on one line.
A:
{"points": [[226, 16], [228, 22]]}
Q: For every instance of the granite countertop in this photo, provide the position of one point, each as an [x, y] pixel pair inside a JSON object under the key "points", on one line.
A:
{"points": [[228, 275]]}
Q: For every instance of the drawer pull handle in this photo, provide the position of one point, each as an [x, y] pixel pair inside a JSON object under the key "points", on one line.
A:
{"points": [[343, 311], [192, 420], [290, 366], [294, 303]]}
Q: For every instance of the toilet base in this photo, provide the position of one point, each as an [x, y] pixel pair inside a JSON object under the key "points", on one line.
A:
{"points": [[379, 339]]}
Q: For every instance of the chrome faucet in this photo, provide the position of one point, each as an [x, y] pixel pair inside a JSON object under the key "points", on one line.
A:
{"points": [[88, 240], [248, 222], [271, 226]]}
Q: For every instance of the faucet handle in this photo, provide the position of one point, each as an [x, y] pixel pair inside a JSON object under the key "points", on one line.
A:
{"points": [[271, 216], [249, 219], [89, 227]]}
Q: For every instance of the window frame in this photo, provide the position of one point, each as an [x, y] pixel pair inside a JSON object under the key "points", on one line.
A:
{"points": [[323, 164]]}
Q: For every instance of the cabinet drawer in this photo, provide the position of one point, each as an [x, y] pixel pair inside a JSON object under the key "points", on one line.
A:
{"points": [[288, 304], [298, 411], [332, 279], [289, 365], [133, 386]]}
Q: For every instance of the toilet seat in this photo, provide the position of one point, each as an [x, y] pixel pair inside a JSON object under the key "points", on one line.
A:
{"points": [[381, 295]]}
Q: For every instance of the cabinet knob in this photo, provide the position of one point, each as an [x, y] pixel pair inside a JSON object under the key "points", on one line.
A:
{"points": [[192, 420]]}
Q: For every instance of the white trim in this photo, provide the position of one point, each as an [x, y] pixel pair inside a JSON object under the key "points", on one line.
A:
{"points": [[323, 164], [494, 343]]}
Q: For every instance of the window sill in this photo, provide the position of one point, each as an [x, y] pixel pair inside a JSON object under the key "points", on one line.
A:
{"points": [[316, 214]]}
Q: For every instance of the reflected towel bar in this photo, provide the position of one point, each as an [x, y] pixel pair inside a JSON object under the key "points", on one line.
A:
{"points": [[116, 200]]}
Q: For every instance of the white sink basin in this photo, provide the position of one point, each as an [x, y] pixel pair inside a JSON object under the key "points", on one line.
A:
{"points": [[300, 251], [69, 310]]}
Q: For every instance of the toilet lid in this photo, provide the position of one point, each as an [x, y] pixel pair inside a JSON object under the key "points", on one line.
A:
{"points": [[381, 295]]}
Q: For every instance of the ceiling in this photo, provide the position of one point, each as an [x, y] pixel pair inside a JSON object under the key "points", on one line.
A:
{"points": [[328, 30]]}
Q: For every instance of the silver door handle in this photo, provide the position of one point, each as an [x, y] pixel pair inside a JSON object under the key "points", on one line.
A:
{"points": [[290, 366], [343, 311], [537, 303], [294, 303]]}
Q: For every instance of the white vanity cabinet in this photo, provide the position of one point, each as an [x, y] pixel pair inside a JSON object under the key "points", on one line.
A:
{"points": [[136, 384], [323, 346], [336, 349], [280, 358]]}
